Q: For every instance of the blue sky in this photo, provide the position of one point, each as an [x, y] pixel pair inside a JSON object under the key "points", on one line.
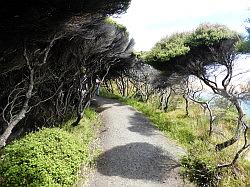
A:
{"points": [[150, 20]]}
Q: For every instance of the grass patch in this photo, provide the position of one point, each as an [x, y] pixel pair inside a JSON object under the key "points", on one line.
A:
{"points": [[49, 157]]}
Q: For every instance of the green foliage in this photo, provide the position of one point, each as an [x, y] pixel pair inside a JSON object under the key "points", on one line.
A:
{"points": [[209, 35], [199, 171], [113, 22], [243, 46], [199, 166], [49, 157], [90, 115], [173, 54], [168, 48], [105, 93]]}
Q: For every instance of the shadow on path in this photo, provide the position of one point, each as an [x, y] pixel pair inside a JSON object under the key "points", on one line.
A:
{"points": [[140, 124], [136, 161], [102, 104]]}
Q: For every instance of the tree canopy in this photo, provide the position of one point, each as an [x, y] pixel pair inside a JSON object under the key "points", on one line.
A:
{"points": [[177, 52], [50, 54], [202, 53]]}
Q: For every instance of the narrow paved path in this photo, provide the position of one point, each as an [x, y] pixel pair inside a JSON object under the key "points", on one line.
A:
{"points": [[134, 152]]}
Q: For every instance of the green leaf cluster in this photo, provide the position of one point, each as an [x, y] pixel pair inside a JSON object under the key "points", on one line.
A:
{"points": [[168, 48], [179, 49], [243, 46], [210, 35], [116, 24], [50, 157], [201, 172]]}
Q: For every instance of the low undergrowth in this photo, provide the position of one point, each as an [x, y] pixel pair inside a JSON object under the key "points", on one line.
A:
{"points": [[49, 157], [191, 132]]}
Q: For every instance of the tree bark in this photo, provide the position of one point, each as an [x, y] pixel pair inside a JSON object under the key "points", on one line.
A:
{"points": [[13, 122], [236, 137], [186, 105], [167, 101]]}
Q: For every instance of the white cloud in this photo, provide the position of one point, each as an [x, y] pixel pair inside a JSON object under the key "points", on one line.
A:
{"points": [[150, 20]]}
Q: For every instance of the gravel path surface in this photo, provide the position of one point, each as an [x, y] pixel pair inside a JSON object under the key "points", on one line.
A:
{"points": [[134, 152]]}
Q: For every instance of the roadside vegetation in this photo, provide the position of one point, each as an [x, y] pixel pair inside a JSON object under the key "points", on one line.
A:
{"points": [[51, 156], [192, 133]]}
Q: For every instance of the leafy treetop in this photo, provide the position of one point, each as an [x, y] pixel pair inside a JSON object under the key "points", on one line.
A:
{"points": [[174, 53], [168, 48], [109, 20]]}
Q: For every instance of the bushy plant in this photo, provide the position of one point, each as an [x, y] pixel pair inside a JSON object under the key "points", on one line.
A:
{"points": [[50, 157], [105, 93], [199, 171]]}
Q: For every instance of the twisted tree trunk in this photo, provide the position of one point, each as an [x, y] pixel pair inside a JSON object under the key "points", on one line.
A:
{"points": [[15, 120]]}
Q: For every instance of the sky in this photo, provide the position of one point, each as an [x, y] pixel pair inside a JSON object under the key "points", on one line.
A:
{"points": [[150, 20]]}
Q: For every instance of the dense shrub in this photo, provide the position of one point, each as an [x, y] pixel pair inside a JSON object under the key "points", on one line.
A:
{"points": [[50, 157], [199, 171]]}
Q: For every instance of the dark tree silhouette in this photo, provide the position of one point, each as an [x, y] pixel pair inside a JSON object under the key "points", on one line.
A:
{"points": [[50, 54]]}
